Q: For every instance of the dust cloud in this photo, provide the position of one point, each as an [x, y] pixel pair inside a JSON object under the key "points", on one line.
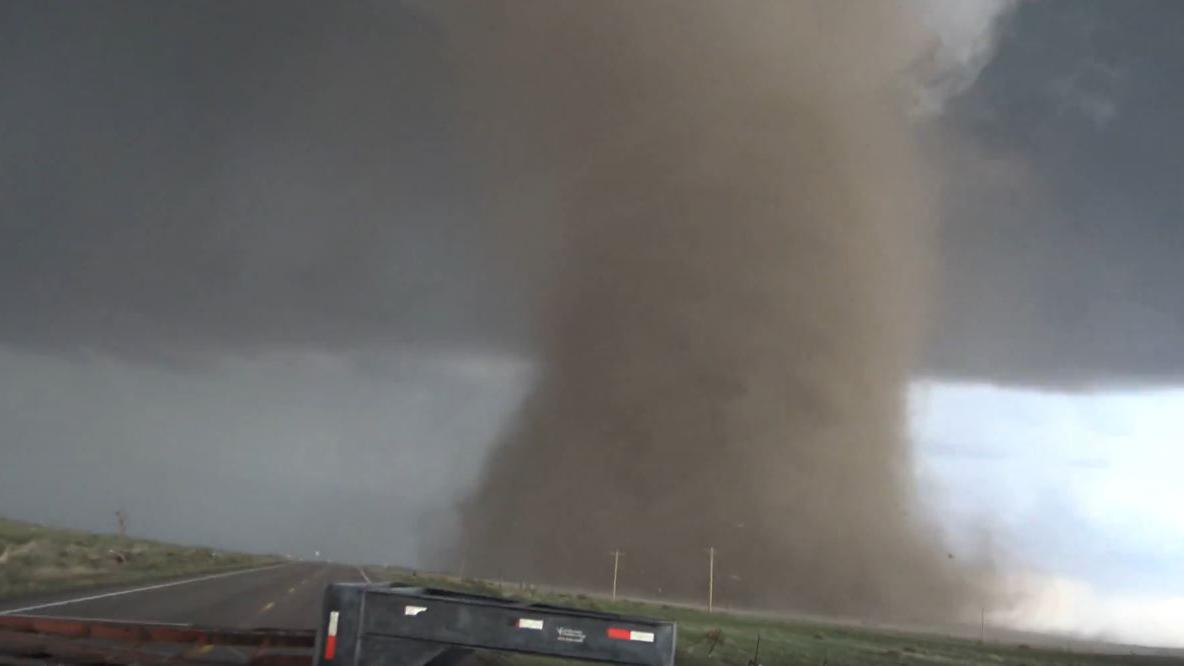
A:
{"points": [[737, 228]]}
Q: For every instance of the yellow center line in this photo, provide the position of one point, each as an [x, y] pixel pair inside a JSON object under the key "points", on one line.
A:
{"points": [[204, 649], [270, 605], [291, 590]]}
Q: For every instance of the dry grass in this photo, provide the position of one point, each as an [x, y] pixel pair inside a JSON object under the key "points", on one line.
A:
{"points": [[36, 559], [722, 639]]}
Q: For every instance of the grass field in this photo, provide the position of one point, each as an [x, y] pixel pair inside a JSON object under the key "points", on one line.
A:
{"points": [[721, 639], [35, 559]]}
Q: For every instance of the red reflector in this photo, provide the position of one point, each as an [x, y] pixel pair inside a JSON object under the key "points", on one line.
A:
{"points": [[331, 636], [619, 634]]}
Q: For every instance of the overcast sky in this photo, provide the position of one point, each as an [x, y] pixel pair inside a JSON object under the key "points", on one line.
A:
{"points": [[246, 292]]}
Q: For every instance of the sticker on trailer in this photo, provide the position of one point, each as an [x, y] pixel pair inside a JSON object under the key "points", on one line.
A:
{"points": [[529, 623], [414, 610], [619, 634], [569, 635], [331, 637]]}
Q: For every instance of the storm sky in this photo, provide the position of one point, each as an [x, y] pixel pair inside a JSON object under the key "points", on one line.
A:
{"points": [[247, 293], [187, 180], [1063, 234]]}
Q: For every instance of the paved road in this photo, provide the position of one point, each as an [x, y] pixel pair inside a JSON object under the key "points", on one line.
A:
{"points": [[287, 596]]}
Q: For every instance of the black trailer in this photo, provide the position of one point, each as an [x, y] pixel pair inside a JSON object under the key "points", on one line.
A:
{"points": [[380, 625]]}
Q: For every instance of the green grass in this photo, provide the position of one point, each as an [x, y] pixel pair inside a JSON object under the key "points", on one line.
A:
{"points": [[722, 639], [36, 559]]}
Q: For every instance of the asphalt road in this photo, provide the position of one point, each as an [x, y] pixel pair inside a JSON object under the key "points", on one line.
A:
{"points": [[287, 596]]}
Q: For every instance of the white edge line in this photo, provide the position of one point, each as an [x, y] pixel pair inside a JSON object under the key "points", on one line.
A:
{"points": [[108, 621], [140, 589], [364, 576]]}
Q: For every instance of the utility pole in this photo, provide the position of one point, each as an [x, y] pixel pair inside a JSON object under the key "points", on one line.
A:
{"points": [[982, 624], [710, 578], [616, 565], [121, 518]]}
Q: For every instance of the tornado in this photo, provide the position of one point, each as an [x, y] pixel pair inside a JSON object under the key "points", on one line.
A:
{"points": [[724, 215]]}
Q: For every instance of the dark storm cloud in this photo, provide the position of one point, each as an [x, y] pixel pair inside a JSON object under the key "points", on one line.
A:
{"points": [[244, 290], [1065, 213], [193, 177], [181, 178], [284, 452]]}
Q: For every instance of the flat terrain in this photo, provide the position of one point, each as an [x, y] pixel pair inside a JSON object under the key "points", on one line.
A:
{"points": [[277, 596], [724, 639], [36, 559], [248, 592]]}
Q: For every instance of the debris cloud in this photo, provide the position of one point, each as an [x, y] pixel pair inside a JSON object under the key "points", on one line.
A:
{"points": [[739, 228]]}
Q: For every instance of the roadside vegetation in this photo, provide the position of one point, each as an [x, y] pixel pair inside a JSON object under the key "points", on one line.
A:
{"points": [[35, 559], [723, 639]]}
